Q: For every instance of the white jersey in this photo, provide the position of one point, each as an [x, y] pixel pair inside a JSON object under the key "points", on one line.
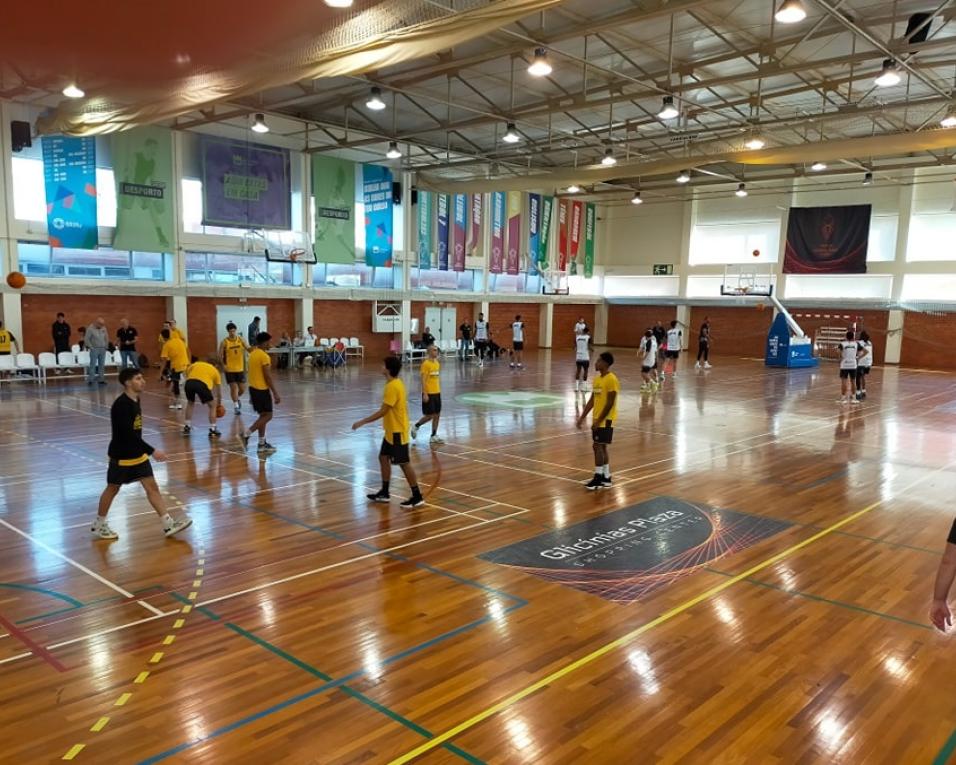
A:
{"points": [[579, 328], [867, 359], [848, 349], [517, 331], [673, 339], [481, 330], [581, 347], [649, 349]]}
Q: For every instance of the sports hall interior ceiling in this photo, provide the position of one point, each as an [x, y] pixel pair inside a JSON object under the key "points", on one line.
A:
{"points": [[807, 89]]}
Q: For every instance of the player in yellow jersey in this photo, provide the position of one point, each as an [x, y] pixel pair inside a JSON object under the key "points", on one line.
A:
{"points": [[232, 354], [176, 356], [394, 416], [203, 382], [605, 392], [262, 392], [431, 395]]}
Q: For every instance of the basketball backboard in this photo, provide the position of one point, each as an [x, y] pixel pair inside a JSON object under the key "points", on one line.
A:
{"points": [[282, 246], [747, 279]]}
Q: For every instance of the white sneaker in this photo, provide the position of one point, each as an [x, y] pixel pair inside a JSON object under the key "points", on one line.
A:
{"points": [[179, 406], [172, 406], [697, 365], [414, 431], [173, 526], [102, 530], [706, 365], [238, 408], [436, 440]]}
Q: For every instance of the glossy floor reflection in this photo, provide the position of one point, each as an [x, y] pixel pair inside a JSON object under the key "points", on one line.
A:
{"points": [[295, 622]]}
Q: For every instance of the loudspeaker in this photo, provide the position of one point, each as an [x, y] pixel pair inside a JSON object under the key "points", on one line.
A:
{"points": [[396, 193], [414, 196], [914, 21], [20, 135]]}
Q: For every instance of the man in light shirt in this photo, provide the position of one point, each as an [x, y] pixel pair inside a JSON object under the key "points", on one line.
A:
{"points": [[97, 339]]}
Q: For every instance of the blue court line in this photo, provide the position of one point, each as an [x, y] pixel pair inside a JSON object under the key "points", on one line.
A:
{"points": [[942, 757], [78, 604], [52, 593]]}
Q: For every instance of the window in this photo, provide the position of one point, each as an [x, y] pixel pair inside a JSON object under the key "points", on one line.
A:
{"points": [[435, 279], [643, 286], [37, 259], [351, 275], [29, 192], [228, 268], [881, 247], [931, 237], [853, 286], [720, 243], [935, 287]]}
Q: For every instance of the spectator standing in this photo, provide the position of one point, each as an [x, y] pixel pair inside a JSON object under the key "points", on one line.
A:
{"points": [[61, 334], [97, 339], [253, 331], [428, 339], [126, 342], [464, 346]]}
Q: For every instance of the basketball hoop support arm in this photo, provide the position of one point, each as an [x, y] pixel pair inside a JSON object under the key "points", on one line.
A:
{"points": [[791, 322]]}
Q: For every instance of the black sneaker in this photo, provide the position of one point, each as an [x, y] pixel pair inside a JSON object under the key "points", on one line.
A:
{"points": [[595, 483], [265, 446], [606, 483], [245, 440], [379, 496], [187, 430], [416, 501], [215, 433]]}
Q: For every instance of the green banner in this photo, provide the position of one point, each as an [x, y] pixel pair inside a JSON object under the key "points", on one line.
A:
{"points": [[424, 229], [145, 198], [547, 207], [590, 219], [333, 187]]}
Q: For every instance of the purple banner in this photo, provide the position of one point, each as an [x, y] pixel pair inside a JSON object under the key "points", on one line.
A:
{"points": [[245, 185], [497, 231], [514, 232], [474, 239], [443, 232], [458, 232]]}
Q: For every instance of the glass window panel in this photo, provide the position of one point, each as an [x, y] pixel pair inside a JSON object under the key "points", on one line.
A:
{"points": [[931, 237], [104, 263]]}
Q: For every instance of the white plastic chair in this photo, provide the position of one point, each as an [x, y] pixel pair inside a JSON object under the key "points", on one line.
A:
{"points": [[83, 358], [356, 347], [26, 363], [413, 353], [447, 347], [46, 361], [333, 340], [66, 359], [75, 348], [8, 368]]}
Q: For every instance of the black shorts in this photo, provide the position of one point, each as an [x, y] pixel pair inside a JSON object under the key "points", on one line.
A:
{"points": [[175, 378], [197, 388], [847, 373], [481, 345], [261, 400], [519, 345], [117, 475], [582, 364], [862, 371], [396, 451], [602, 435], [646, 369], [235, 377], [672, 354], [433, 405]]}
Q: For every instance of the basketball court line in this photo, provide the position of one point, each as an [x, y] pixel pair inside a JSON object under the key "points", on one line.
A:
{"points": [[628, 637]]}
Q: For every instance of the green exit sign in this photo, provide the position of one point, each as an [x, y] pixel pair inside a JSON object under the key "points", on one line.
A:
{"points": [[663, 269]]}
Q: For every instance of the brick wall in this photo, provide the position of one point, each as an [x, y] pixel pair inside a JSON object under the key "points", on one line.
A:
{"points": [[352, 318], [203, 335], [874, 322], [502, 317], [926, 343], [565, 316], [147, 314], [740, 331], [626, 323]]}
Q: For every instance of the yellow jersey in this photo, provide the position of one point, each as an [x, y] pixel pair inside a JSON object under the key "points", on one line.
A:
{"points": [[258, 361], [431, 376], [174, 351], [233, 354], [5, 339], [603, 385], [206, 373], [396, 414]]}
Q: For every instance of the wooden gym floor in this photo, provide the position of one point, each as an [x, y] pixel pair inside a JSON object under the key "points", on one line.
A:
{"points": [[294, 622]]}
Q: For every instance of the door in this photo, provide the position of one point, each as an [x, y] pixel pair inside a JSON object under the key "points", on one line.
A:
{"points": [[241, 316], [449, 324], [433, 321]]}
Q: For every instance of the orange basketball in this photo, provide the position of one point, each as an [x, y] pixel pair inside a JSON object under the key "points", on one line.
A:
{"points": [[756, 253], [220, 411], [16, 280]]}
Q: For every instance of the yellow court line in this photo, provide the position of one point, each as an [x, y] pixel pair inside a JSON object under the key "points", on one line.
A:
{"points": [[99, 725], [471, 722], [141, 678], [74, 750]]}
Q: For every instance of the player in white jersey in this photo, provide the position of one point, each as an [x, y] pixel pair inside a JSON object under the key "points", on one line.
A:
{"points": [[672, 353], [580, 326], [863, 365], [517, 339], [582, 358], [850, 354], [482, 335], [649, 362]]}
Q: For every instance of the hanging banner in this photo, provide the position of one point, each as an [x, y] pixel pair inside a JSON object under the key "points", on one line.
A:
{"points": [[458, 232], [443, 232], [547, 207], [590, 220], [577, 210], [424, 229], [827, 240], [563, 215], [145, 207], [514, 233], [534, 228], [245, 185], [497, 231], [333, 186], [474, 236], [377, 195], [69, 174]]}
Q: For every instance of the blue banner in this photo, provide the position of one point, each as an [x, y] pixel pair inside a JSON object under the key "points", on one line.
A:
{"points": [[377, 195], [425, 229], [69, 174], [534, 227], [458, 232], [245, 185], [443, 232]]}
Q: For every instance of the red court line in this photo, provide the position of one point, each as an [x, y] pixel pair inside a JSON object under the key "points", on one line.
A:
{"points": [[35, 648]]}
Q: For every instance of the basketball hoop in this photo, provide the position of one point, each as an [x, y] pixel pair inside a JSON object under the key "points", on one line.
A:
{"points": [[295, 253]]}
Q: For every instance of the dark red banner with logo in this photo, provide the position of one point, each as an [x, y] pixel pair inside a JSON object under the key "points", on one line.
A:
{"points": [[827, 240]]}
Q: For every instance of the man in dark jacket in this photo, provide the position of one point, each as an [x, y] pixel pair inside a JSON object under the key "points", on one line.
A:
{"points": [[61, 334]]}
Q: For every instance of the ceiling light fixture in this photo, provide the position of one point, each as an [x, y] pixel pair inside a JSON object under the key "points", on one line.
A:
{"points": [[741, 190], [683, 176], [608, 160], [339, 3], [668, 110], [259, 125], [540, 66], [868, 179], [818, 166], [889, 75], [511, 135], [393, 150], [72, 91], [375, 102], [950, 119], [755, 142], [636, 199], [790, 12], [573, 188]]}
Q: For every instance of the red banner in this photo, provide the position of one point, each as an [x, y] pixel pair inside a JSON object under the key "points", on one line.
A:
{"points": [[563, 235], [497, 231], [512, 262], [577, 215], [474, 242]]}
